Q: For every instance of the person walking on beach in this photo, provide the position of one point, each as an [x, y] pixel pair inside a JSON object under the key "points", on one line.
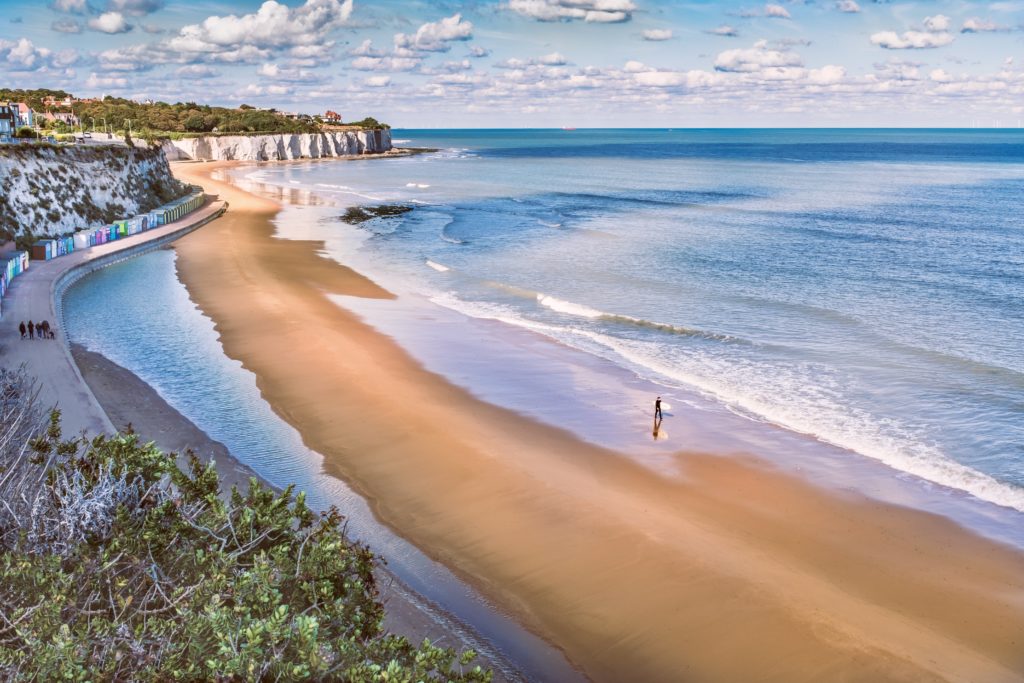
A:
{"points": [[657, 408], [31, 330], [45, 325], [22, 329]]}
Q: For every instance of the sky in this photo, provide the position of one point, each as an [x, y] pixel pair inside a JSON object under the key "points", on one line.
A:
{"points": [[540, 63]]}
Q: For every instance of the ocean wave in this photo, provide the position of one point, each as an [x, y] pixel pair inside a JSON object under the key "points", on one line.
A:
{"points": [[400, 142], [442, 233], [811, 405], [417, 185], [549, 225], [437, 266], [582, 311], [568, 307]]}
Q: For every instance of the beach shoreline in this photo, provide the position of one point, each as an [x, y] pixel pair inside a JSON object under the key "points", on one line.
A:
{"points": [[655, 576]]}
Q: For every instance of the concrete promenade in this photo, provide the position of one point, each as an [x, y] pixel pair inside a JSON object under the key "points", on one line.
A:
{"points": [[36, 295]]}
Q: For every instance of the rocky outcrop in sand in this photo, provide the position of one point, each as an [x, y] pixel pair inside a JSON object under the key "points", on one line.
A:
{"points": [[279, 146]]}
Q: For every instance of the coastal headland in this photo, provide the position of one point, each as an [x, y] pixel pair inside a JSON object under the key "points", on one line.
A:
{"points": [[730, 571]]}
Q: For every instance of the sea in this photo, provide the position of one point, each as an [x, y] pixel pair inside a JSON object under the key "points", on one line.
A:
{"points": [[845, 303]]}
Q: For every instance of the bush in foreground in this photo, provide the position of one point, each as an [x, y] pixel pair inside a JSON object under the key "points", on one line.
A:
{"points": [[115, 564]]}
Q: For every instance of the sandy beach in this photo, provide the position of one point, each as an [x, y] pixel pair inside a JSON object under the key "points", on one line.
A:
{"points": [[733, 571]]}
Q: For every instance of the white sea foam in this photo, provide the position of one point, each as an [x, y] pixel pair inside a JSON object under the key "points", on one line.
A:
{"points": [[400, 142], [568, 307], [550, 225], [437, 266], [421, 186], [803, 399], [582, 311]]}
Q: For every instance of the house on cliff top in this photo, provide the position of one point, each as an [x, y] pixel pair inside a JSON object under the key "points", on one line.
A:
{"points": [[332, 117]]}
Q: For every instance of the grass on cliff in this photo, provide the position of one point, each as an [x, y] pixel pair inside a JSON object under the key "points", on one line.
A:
{"points": [[116, 564]]}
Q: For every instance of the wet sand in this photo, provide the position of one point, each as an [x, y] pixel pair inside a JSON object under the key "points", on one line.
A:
{"points": [[733, 571]]}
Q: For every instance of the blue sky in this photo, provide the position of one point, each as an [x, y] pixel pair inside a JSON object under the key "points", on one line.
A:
{"points": [[515, 63]]}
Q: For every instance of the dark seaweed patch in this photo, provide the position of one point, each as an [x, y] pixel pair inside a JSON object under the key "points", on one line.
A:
{"points": [[359, 214]]}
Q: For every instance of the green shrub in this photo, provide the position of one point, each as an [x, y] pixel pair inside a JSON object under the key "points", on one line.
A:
{"points": [[116, 564]]}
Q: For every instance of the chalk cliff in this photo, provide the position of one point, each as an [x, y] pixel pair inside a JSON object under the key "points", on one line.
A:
{"points": [[49, 191], [279, 146]]}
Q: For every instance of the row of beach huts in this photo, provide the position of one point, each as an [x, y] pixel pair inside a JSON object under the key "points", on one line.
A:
{"points": [[13, 264]]}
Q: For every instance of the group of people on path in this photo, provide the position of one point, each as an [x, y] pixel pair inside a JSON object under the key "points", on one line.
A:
{"points": [[36, 330]]}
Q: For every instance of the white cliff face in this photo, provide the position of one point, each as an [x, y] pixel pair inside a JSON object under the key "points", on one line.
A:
{"points": [[53, 191], [279, 146]]}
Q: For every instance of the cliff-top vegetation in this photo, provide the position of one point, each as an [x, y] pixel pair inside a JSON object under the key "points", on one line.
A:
{"points": [[117, 564], [160, 119]]}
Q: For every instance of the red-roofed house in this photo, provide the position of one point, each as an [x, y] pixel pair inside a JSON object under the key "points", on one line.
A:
{"points": [[332, 116]]}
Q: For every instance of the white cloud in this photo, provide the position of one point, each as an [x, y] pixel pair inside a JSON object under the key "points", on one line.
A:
{"points": [[386, 63], [910, 40], [110, 22], [514, 63], [756, 58], [936, 24], [776, 11], [826, 75], [456, 66], [377, 81], [22, 55], [436, 36], [848, 6], [312, 55], [70, 6], [553, 59], [278, 73], [153, 29], [478, 52], [135, 8], [196, 71], [246, 39], [725, 30], [940, 76], [594, 11], [899, 70], [273, 26], [661, 79], [66, 26], [657, 34], [96, 82], [976, 25], [366, 49]]}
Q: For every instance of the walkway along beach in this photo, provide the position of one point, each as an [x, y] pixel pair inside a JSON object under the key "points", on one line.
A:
{"points": [[35, 295], [731, 571]]}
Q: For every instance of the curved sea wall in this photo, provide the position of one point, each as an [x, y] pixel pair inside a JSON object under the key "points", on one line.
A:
{"points": [[279, 146]]}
